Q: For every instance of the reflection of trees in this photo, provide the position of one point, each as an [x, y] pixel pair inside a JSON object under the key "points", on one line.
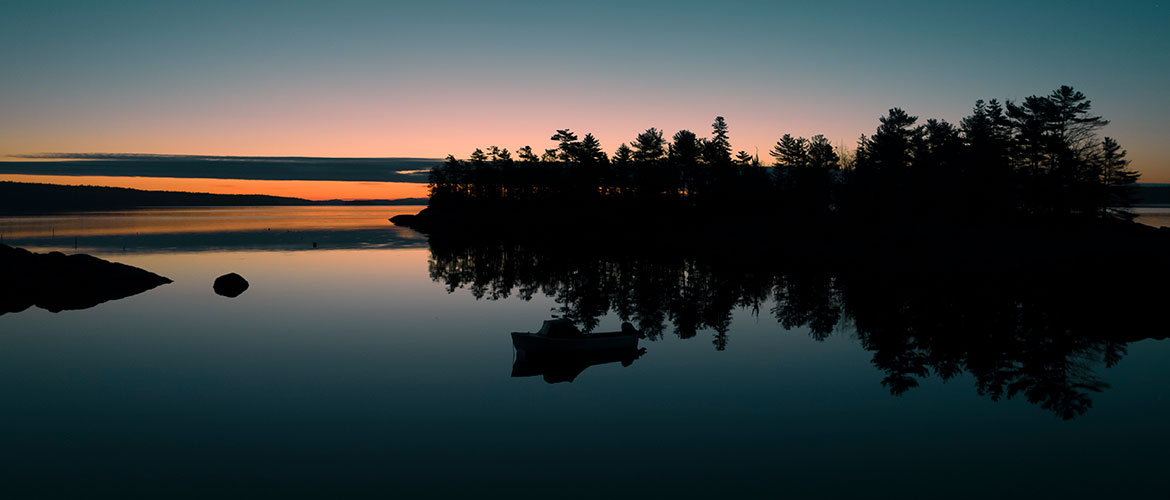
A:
{"points": [[1031, 336], [1036, 333]]}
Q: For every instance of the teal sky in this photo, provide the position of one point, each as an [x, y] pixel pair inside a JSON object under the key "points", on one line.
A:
{"points": [[388, 79]]}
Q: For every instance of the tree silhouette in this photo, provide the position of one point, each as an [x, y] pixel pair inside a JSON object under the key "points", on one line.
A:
{"points": [[717, 150], [683, 171], [821, 154], [590, 150], [1038, 160], [1055, 141], [1116, 181], [527, 155], [790, 152], [988, 170], [649, 146], [568, 150]]}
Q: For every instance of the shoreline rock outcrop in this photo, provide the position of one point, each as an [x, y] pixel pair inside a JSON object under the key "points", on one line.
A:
{"points": [[58, 282]]}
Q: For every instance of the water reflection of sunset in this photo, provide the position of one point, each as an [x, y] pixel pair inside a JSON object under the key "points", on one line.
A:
{"points": [[201, 220], [312, 190]]}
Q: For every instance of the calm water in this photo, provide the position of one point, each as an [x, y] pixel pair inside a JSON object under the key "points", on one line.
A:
{"points": [[1154, 216], [366, 367]]}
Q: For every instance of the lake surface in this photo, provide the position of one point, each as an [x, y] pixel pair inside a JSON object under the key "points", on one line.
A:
{"points": [[1153, 216], [363, 362]]}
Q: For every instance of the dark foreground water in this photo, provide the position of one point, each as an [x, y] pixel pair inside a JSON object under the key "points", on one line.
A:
{"points": [[368, 367]]}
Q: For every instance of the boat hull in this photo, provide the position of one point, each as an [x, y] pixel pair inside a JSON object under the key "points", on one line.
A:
{"points": [[558, 367], [531, 342]]}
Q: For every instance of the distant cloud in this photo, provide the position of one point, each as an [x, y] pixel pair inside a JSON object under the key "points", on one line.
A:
{"points": [[188, 158]]}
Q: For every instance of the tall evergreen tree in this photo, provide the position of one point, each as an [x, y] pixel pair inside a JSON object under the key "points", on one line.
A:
{"points": [[623, 155], [790, 152], [861, 154], [568, 148], [621, 175], [821, 154], [717, 150], [527, 155], [683, 170], [685, 148], [497, 153], [988, 172], [936, 181], [987, 133], [649, 145], [1054, 141], [589, 150], [939, 149], [890, 148], [1117, 179]]}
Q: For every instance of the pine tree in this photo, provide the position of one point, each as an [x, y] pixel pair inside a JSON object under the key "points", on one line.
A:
{"points": [[649, 145], [1055, 139], [684, 171], [988, 174], [589, 150], [890, 148], [527, 155], [821, 154], [717, 150], [685, 148], [623, 155], [568, 148], [790, 152], [478, 156], [1117, 180], [621, 169]]}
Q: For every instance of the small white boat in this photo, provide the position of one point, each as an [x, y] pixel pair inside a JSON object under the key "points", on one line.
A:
{"points": [[560, 336]]}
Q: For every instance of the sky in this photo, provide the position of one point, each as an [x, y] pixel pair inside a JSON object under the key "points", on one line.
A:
{"points": [[427, 79]]}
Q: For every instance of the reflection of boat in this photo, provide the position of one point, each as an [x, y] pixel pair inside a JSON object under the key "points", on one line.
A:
{"points": [[560, 352], [560, 336]]}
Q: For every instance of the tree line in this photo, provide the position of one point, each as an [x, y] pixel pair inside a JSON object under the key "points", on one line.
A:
{"points": [[1039, 157]]}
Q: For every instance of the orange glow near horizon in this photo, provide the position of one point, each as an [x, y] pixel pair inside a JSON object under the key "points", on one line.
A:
{"points": [[311, 190]]}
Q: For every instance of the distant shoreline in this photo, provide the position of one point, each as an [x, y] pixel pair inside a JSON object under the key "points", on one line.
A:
{"points": [[413, 170], [22, 197]]}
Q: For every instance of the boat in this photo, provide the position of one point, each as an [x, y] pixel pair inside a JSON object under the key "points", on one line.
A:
{"points": [[560, 352], [561, 336]]}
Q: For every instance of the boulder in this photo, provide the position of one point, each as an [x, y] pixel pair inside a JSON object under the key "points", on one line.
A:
{"points": [[230, 285]]}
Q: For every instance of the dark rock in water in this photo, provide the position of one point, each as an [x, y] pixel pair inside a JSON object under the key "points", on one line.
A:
{"points": [[58, 282], [421, 221], [230, 285]]}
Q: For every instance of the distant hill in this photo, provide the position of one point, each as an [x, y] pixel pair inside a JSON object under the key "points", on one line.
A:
{"points": [[225, 167], [23, 197]]}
